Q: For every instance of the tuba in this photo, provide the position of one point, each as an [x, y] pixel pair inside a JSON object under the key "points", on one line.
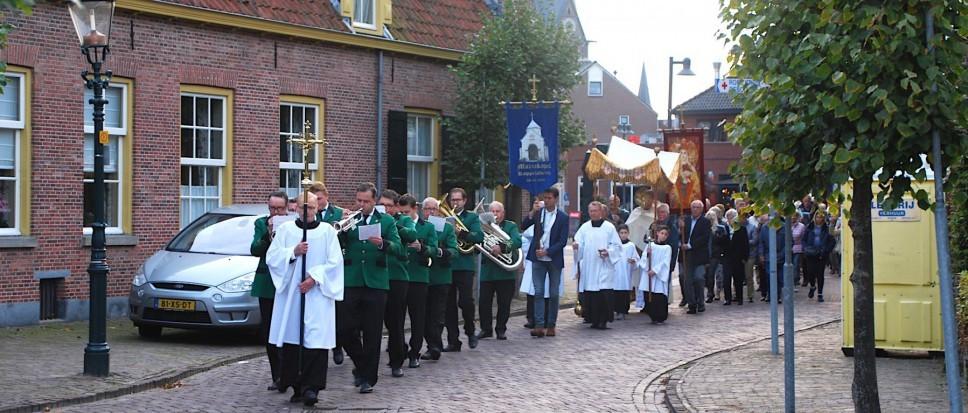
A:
{"points": [[494, 235]]}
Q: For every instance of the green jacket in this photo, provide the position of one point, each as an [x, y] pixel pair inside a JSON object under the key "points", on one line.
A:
{"points": [[331, 214], [397, 263], [417, 264], [262, 286], [365, 265], [491, 271], [441, 271], [468, 262]]}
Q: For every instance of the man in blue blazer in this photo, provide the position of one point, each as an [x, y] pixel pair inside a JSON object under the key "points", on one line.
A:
{"points": [[695, 242], [547, 257]]}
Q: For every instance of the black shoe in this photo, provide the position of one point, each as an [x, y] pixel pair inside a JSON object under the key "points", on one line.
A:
{"points": [[820, 298], [414, 362], [338, 355], [502, 336], [812, 290], [728, 303], [452, 348], [483, 335], [366, 388], [682, 303], [357, 379], [750, 300], [396, 372], [472, 341], [691, 311], [310, 397], [709, 299], [702, 309], [274, 386]]}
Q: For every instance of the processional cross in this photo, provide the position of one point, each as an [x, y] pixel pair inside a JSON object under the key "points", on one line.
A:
{"points": [[307, 140], [534, 87]]}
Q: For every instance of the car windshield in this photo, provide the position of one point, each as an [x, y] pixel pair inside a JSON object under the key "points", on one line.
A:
{"points": [[225, 234]]}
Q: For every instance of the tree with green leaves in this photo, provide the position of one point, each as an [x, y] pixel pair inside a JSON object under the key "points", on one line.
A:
{"points": [[509, 49], [849, 90], [23, 6]]}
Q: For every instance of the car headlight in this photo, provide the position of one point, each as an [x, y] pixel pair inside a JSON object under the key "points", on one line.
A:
{"points": [[139, 277], [238, 284]]}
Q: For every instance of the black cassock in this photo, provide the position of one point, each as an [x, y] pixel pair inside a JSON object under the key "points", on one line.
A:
{"points": [[314, 365], [657, 306]]}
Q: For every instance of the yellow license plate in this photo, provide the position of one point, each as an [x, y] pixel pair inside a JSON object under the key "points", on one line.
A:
{"points": [[177, 305]]}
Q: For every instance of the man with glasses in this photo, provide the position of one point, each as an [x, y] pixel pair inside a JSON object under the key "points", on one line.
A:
{"points": [[262, 286], [462, 293], [440, 278], [396, 310]]}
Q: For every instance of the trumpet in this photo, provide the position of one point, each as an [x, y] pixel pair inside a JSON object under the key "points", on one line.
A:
{"points": [[348, 223]]}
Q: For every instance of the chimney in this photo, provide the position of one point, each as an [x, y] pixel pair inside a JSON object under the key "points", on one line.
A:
{"points": [[716, 66]]}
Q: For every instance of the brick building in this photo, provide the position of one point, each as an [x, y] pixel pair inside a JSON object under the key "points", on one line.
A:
{"points": [[204, 94]]}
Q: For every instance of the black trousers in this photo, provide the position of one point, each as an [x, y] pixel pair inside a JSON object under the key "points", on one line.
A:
{"points": [[394, 319], [461, 295], [530, 309], [436, 302], [272, 352], [361, 325], [711, 277], [598, 306], [315, 362], [813, 268], [417, 309], [734, 275], [504, 289], [621, 301]]}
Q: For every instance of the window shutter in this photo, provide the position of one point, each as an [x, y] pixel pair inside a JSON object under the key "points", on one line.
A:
{"points": [[346, 7], [387, 11], [397, 151]]}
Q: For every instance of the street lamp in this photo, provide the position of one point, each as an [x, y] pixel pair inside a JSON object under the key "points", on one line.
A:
{"points": [[686, 71], [92, 21]]}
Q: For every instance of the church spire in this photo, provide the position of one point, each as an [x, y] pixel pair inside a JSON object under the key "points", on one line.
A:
{"points": [[644, 88]]}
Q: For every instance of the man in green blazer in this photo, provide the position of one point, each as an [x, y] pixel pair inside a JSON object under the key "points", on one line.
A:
{"points": [[329, 214], [262, 286], [420, 253], [464, 265], [439, 278], [495, 279], [366, 284], [396, 309]]}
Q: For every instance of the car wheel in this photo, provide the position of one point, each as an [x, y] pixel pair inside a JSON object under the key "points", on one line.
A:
{"points": [[149, 331]]}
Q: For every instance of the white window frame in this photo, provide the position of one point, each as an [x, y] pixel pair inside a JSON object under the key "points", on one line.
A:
{"points": [[119, 134], [17, 126], [219, 163], [600, 92], [624, 120], [428, 161], [363, 24], [314, 166]]}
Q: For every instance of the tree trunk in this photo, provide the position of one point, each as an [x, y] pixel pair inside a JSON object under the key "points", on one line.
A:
{"points": [[864, 389]]}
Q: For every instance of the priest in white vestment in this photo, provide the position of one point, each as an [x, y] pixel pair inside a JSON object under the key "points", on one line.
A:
{"points": [[656, 276], [597, 250], [322, 287]]}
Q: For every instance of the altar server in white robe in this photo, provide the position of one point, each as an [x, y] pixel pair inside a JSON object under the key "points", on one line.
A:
{"points": [[597, 250], [626, 272], [527, 284], [322, 287], [656, 276]]}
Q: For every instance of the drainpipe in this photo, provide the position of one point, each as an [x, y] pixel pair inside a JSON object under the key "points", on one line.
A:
{"points": [[379, 120]]}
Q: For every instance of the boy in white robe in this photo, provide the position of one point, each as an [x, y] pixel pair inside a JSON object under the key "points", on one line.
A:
{"points": [[626, 270], [597, 249], [322, 287], [655, 280]]}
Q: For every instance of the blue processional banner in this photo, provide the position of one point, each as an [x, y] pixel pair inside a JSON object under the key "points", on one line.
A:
{"points": [[533, 146]]}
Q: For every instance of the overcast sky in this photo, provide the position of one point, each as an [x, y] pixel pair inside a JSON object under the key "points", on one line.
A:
{"points": [[628, 33]]}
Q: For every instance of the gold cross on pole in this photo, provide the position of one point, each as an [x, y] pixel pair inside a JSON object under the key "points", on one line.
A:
{"points": [[307, 140], [534, 87]]}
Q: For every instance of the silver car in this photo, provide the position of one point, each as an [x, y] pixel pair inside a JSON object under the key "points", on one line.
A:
{"points": [[203, 277]]}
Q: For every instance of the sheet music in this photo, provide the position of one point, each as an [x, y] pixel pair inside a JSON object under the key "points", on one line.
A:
{"points": [[367, 231]]}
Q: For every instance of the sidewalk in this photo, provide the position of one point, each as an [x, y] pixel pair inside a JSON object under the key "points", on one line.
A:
{"points": [[42, 365]]}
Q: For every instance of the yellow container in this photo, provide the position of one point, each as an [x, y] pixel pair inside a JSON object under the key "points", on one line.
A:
{"points": [[907, 303]]}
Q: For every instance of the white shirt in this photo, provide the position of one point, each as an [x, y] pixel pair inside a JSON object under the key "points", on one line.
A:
{"points": [[548, 219]]}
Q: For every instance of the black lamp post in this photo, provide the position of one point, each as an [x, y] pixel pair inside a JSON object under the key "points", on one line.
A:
{"points": [[686, 71], [92, 21]]}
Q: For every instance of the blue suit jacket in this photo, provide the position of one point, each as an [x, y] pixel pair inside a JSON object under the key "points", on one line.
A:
{"points": [[558, 239]]}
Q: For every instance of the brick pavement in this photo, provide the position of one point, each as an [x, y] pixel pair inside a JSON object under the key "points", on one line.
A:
{"points": [[580, 370]]}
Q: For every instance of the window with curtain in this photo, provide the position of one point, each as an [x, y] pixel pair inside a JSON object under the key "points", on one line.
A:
{"points": [[363, 12], [203, 120], [11, 126], [420, 154], [115, 124], [292, 117]]}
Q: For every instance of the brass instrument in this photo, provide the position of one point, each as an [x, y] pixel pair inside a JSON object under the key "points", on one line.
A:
{"points": [[494, 235], [349, 221], [447, 212]]}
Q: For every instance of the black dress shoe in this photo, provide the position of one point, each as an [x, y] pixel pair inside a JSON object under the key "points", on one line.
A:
{"points": [[691, 311], [502, 336], [414, 362], [682, 303], [366, 388], [274, 386], [483, 334], [338, 355], [396, 372], [702, 309], [727, 303], [472, 341], [452, 348], [709, 299], [357, 379], [310, 397]]}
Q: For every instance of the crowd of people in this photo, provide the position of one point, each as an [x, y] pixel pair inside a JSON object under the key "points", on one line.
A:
{"points": [[331, 280]]}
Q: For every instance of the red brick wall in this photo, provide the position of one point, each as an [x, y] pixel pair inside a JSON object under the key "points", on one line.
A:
{"points": [[165, 54]]}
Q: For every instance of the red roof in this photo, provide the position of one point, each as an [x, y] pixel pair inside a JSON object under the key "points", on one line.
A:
{"points": [[448, 24]]}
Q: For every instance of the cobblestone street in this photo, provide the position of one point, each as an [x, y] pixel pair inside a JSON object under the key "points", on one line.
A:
{"points": [[580, 370]]}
